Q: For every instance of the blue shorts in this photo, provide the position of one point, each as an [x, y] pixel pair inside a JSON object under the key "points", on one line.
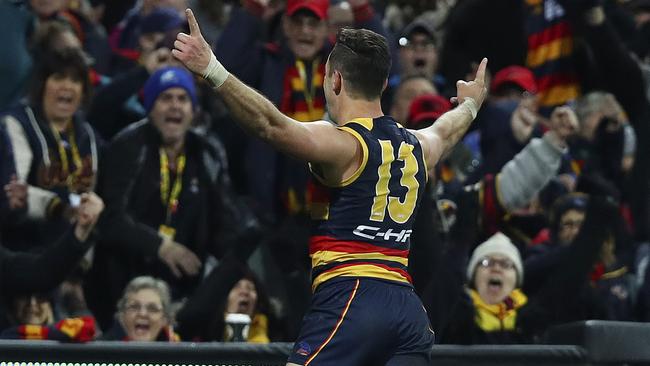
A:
{"points": [[364, 321]]}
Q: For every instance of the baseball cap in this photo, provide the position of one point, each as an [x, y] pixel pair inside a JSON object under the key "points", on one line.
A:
{"points": [[419, 25], [427, 108], [517, 75], [318, 7]]}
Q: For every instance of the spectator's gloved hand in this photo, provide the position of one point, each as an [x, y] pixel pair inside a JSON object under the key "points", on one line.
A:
{"points": [[16, 194], [90, 207], [524, 119], [180, 260], [563, 124]]}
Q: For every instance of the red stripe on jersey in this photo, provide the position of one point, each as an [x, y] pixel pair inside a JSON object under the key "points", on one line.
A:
{"points": [[320, 243]]}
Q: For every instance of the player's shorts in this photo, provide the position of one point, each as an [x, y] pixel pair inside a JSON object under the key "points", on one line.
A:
{"points": [[363, 321]]}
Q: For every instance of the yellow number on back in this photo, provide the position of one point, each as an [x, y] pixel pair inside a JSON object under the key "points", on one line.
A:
{"points": [[399, 211]]}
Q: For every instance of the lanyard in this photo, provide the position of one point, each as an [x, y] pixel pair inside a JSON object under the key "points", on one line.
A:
{"points": [[63, 155], [170, 199], [308, 91]]}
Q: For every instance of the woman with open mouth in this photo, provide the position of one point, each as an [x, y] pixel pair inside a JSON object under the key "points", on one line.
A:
{"points": [[144, 313], [56, 150]]}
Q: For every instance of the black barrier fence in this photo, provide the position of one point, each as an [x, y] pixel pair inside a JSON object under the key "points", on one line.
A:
{"points": [[586, 343]]}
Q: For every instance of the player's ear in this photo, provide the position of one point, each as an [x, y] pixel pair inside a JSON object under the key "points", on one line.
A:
{"points": [[337, 82], [383, 88]]}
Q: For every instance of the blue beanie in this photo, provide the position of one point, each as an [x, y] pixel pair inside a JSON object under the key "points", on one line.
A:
{"points": [[161, 20], [165, 78]]}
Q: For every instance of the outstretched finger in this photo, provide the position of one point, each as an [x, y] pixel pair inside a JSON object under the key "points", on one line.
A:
{"points": [[194, 25], [480, 72]]}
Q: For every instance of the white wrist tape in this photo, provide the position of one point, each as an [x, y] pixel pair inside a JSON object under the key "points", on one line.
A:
{"points": [[471, 105], [215, 73]]}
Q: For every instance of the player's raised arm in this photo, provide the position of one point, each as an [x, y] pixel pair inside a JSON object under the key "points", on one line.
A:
{"points": [[440, 137], [318, 142]]}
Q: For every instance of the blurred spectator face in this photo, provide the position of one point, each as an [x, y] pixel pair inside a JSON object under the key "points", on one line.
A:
{"points": [[33, 310], [46, 8], [495, 278], [242, 298], [172, 114], [407, 91], [66, 39], [570, 224], [158, 28], [305, 33], [62, 97], [149, 5], [418, 55], [54, 36], [142, 316], [150, 41], [339, 15]]}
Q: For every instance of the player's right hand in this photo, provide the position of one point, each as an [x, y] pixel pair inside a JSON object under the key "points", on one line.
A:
{"points": [[192, 49]]}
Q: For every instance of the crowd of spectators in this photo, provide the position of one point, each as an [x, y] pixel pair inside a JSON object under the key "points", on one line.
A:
{"points": [[132, 208]]}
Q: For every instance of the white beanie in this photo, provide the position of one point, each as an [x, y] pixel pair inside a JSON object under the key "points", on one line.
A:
{"points": [[496, 244]]}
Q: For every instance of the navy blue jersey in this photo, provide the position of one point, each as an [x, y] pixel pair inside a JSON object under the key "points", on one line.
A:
{"points": [[362, 226]]}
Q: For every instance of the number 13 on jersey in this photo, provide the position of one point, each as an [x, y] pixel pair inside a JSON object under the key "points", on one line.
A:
{"points": [[398, 210]]}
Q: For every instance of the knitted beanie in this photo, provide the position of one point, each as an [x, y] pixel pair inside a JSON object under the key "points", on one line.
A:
{"points": [[165, 78], [496, 244]]}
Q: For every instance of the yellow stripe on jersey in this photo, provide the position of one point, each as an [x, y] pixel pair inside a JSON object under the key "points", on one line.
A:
{"points": [[364, 159], [361, 270], [367, 123], [326, 257]]}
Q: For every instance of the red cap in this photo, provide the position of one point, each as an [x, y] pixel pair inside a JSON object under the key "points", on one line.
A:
{"points": [[318, 7], [517, 75], [427, 108]]}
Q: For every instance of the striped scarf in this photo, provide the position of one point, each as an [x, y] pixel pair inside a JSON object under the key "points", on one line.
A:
{"points": [[303, 99], [550, 51], [82, 329]]}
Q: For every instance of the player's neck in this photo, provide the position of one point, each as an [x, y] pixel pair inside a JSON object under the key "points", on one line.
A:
{"points": [[356, 108]]}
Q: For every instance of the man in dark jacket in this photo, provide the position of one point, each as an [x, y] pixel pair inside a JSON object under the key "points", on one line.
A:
{"points": [[167, 193]]}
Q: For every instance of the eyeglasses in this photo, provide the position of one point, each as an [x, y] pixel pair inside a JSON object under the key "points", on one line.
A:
{"points": [[493, 262], [136, 307]]}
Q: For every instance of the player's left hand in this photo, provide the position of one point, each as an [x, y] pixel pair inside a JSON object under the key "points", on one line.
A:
{"points": [[192, 49], [474, 89]]}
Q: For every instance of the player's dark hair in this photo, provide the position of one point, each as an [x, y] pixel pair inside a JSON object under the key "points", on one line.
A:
{"points": [[363, 59]]}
